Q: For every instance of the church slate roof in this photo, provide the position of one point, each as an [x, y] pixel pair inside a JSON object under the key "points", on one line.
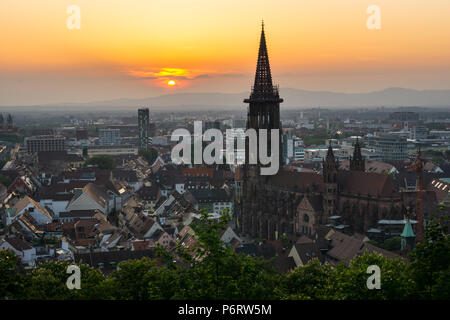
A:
{"points": [[316, 202], [366, 183], [300, 180]]}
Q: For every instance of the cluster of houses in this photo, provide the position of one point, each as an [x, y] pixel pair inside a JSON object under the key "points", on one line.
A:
{"points": [[61, 210], [81, 211]]}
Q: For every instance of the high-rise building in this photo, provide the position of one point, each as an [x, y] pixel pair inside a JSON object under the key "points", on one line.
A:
{"points": [[9, 122], [45, 143], [109, 137], [144, 124]]}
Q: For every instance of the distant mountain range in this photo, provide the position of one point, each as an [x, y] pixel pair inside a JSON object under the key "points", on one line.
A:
{"points": [[293, 98]]}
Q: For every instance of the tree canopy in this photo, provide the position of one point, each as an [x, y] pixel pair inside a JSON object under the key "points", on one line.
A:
{"points": [[102, 161], [149, 155], [214, 271]]}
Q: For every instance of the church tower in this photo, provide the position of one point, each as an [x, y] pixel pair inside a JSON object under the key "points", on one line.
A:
{"points": [[357, 162], [330, 171], [263, 113], [264, 101]]}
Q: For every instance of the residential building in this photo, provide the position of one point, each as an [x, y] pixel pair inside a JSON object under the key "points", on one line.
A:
{"points": [[21, 248]]}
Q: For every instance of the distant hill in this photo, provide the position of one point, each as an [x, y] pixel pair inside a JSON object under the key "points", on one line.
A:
{"points": [[390, 97]]}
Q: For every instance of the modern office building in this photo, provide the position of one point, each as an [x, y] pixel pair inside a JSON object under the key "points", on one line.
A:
{"points": [[391, 148], [109, 137], [45, 143], [144, 125], [299, 149], [418, 133]]}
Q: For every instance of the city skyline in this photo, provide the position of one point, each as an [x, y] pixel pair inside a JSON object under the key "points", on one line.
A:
{"points": [[124, 51]]}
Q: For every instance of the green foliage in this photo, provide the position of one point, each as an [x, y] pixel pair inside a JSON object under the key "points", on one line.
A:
{"points": [[149, 155], [6, 181], [435, 126], [315, 139], [431, 263], [214, 271], [11, 280], [391, 244], [436, 157], [102, 161], [219, 273], [4, 161], [351, 280], [285, 241], [11, 137], [44, 241], [447, 154], [313, 281]]}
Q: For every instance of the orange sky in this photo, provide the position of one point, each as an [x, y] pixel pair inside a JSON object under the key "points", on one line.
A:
{"points": [[132, 48]]}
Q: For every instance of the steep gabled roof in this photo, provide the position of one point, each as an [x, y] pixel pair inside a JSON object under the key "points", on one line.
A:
{"points": [[308, 251], [25, 201], [345, 248], [300, 180], [366, 183], [18, 244], [95, 192]]}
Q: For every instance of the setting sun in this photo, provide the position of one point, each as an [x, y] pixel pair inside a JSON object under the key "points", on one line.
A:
{"points": [[171, 83]]}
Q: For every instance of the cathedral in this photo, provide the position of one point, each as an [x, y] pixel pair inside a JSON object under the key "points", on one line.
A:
{"points": [[298, 203]]}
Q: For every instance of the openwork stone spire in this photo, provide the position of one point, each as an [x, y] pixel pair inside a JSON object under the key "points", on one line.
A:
{"points": [[263, 89], [357, 163], [330, 154], [263, 77]]}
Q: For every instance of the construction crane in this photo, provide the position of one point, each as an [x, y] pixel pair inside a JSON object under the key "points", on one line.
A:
{"points": [[418, 167]]}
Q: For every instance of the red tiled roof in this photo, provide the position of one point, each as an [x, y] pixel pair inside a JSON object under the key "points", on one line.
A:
{"points": [[18, 244], [142, 245]]}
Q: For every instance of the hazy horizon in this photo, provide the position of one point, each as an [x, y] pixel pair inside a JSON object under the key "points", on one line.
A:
{"points": [[293, 98]]}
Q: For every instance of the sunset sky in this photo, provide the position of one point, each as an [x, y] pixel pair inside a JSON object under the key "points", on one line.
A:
{"points": [[133, 48]]}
